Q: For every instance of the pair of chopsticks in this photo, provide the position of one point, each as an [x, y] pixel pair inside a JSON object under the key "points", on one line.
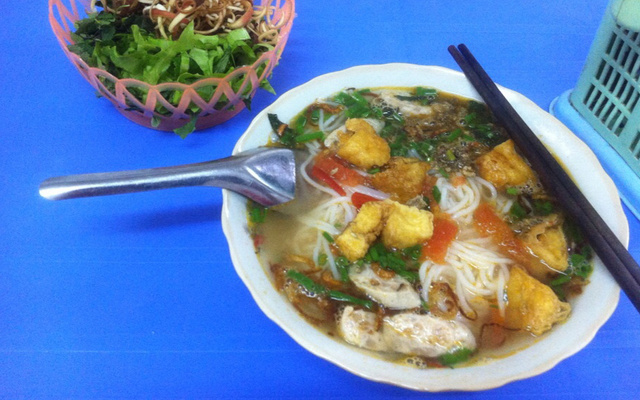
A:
{"points": [[613, 254]]}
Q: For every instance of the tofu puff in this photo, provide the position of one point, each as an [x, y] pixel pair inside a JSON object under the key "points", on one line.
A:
{"points": [[398, 225]]}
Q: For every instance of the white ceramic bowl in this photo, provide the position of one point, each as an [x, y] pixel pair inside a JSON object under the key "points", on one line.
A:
{"points": [[590, 310]]}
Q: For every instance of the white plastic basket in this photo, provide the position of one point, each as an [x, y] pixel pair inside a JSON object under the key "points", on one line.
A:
{"points": [[604, 107]]}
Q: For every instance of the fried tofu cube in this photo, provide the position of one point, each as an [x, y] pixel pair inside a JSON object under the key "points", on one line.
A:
{"points": [[504, 167], [361, 146], [547, 241], [531, 305], [403, 178], [406, 226], [365, 228]]}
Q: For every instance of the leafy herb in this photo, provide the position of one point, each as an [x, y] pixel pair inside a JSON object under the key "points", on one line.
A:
{"points": [[437, 195], [358, 107], [517, 212], [286, 135], [423, 95], [307, 137], [542, 207], [313, 287], [342, 264], [579, 266], [390, 259], [328, 236], [127, 47], [480, 122], [322, 259], [257, 213], [455, 357], [513, 191]]}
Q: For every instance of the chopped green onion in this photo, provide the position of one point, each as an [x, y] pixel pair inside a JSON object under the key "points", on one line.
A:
{"points": [[374, 170], [543, 207], [437, 195], [322, 259], [453, 135], [450, 155], [328, 237], [561, 280], [342, 264], [315, 116], [455, 357], [313, 287], [512, 191], [517, 212], [339, 296], [307, 137], [257, 213]]}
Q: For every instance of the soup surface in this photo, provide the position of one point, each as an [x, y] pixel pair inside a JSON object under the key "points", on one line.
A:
{"points": [[431, 240]]}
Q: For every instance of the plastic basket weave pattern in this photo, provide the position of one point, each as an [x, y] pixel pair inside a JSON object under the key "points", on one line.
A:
{"points": [[607, 94], [220, 107]]}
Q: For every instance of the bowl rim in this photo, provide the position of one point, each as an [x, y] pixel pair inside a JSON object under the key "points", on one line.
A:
{"points": [[524, 363]]}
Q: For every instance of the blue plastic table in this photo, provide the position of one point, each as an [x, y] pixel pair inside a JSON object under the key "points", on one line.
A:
{"points": [[135, 295]]}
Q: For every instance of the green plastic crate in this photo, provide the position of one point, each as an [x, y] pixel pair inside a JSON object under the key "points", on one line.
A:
{"points": [[607, 94]]}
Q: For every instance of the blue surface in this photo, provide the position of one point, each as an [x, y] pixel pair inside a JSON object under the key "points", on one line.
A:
{"points": [[135, 296]]}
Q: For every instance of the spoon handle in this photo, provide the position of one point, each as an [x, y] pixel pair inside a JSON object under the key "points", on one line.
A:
{"points": [[264, 175]]}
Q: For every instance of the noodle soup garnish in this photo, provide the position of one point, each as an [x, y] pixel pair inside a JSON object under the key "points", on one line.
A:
{"points": [[432, 239]]}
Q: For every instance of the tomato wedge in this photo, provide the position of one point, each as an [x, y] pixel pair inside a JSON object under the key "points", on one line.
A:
{"points": [[320, 175], [444, 232], [358, 199], [338, 170], [490, 224]]}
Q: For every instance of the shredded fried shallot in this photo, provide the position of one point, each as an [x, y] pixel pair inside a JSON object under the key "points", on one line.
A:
{"points": [[209, 17]]}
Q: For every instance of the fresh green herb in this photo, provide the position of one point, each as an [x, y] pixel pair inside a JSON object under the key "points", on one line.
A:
{"points": [[328, 236], [127, 47], [517, 212], [188, 128], [423, 95], [480, 122], [579, 263], [322, 259], [358, 107], [313, 287], [579, 266], [307, 137], [315, 116], [444, 173], [455, 357], [561, 280], [451, 136], [257, 213], [373, 170], [390, 259], [437, 195], [450, 155], [413, 252], [300, 123], [513, 191], [286, 135], [342, 264], [541, 207]]}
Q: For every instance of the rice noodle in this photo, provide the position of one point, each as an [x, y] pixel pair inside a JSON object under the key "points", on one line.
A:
{"points": [[473, 266]]}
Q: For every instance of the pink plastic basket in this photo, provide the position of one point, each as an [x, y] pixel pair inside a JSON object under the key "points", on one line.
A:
{"points": [[223, 105]]}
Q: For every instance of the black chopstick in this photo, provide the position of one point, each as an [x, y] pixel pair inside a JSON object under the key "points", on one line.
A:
{"points": [[612, 253]]}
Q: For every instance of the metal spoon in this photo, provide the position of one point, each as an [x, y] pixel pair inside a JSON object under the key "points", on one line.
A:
{"points": [[268, 176]]}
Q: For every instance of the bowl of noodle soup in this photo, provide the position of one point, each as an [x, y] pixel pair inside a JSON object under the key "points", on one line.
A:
{"points": [[529, 353]]}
